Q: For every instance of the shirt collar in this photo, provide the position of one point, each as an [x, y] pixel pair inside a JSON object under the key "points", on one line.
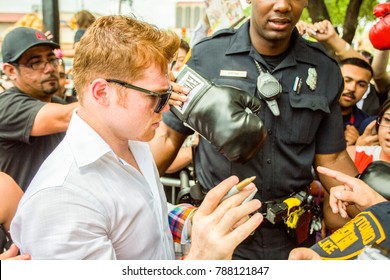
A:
{"points": [[86, 144]]}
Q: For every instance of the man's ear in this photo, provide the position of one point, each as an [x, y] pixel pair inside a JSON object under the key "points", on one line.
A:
{"points": [[11, 71], [100, 91]]}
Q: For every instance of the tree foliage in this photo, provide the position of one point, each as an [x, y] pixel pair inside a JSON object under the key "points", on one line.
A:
{"points": [[348, 15]]}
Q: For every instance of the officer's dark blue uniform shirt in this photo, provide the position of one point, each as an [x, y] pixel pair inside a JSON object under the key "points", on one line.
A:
{"points": [[310, 120]]}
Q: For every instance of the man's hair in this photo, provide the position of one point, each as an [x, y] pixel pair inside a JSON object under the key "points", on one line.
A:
{"points": [[121, 47], [367, 55], [184, 45], [84, 19], [385, 106], [357, 62]]}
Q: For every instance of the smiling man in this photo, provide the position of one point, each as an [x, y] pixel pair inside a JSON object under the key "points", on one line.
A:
{"points": [[31, 123]]}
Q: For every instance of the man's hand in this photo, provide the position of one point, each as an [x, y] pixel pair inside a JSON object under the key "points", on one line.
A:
{"points": [[217, 227], [49, 35], [179, 94], [303, 27], [350, 191], [351, 134], [12, 254], [302, 253], [369, 136], [325, 32]]}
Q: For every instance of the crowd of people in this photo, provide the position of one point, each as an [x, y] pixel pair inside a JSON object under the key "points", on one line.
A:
{"points": [[81, 178]]}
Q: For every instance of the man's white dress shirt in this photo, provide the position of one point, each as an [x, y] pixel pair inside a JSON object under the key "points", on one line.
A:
{"points": [[86, 203]]}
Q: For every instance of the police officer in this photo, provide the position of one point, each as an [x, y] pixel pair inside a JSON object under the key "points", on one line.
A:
{"points": [[303, 123]]}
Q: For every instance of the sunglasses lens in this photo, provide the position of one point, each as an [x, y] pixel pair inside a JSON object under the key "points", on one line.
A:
{"points": [[162, 101]]}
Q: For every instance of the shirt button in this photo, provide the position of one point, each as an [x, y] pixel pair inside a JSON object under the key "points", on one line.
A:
{"points": [[269, 131], [269, 161]]}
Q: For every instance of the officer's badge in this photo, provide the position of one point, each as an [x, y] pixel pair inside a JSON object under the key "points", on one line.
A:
{"points": [[311, 80]]}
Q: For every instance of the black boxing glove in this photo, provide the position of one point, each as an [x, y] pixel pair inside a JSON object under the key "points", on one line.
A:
{"points": [[225, 116], [377, 176]]}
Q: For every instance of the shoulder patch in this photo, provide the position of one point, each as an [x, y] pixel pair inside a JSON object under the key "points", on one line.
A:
{"points": [[349, 241]]}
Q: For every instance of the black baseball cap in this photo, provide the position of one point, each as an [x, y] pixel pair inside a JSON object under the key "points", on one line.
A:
{"points": [[20, 39]]}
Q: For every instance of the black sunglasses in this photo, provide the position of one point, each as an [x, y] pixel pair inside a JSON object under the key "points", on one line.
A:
{"points": [[163, 98]]}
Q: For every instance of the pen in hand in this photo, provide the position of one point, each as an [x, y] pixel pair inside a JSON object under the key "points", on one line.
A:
{"points": [[239, 187], [312, 32]]}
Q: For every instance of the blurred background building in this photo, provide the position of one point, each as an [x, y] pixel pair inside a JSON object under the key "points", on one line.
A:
{"points": [[181, 16]]}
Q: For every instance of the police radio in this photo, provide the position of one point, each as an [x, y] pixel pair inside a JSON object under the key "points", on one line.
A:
{"points": [[269, 89]]}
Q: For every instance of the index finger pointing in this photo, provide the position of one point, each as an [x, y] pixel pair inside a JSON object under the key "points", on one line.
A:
{"points": [[339, 176]]}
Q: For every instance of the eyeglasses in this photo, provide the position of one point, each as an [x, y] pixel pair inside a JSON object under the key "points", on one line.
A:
{"points": [[163, 98], [40, 65], [383, 121]]}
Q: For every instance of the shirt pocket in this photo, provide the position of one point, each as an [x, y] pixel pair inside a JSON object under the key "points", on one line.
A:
{"points": [[302, 119]]}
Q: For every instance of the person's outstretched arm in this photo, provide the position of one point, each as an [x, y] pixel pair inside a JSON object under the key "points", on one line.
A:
{"points": [[325, 33], [381, 77], [350, 191]]}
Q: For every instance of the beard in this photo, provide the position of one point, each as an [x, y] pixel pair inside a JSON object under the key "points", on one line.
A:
{"points": [[51, 88]]}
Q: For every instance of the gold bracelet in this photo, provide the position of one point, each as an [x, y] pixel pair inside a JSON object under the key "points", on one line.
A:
{"points": [[192, 214], [189, 225]]}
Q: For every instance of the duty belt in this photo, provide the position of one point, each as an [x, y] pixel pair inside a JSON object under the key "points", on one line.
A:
{"points": [[295, 211]]}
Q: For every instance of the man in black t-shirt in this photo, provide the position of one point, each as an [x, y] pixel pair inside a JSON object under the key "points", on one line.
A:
{"points": [[31, 124]]}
